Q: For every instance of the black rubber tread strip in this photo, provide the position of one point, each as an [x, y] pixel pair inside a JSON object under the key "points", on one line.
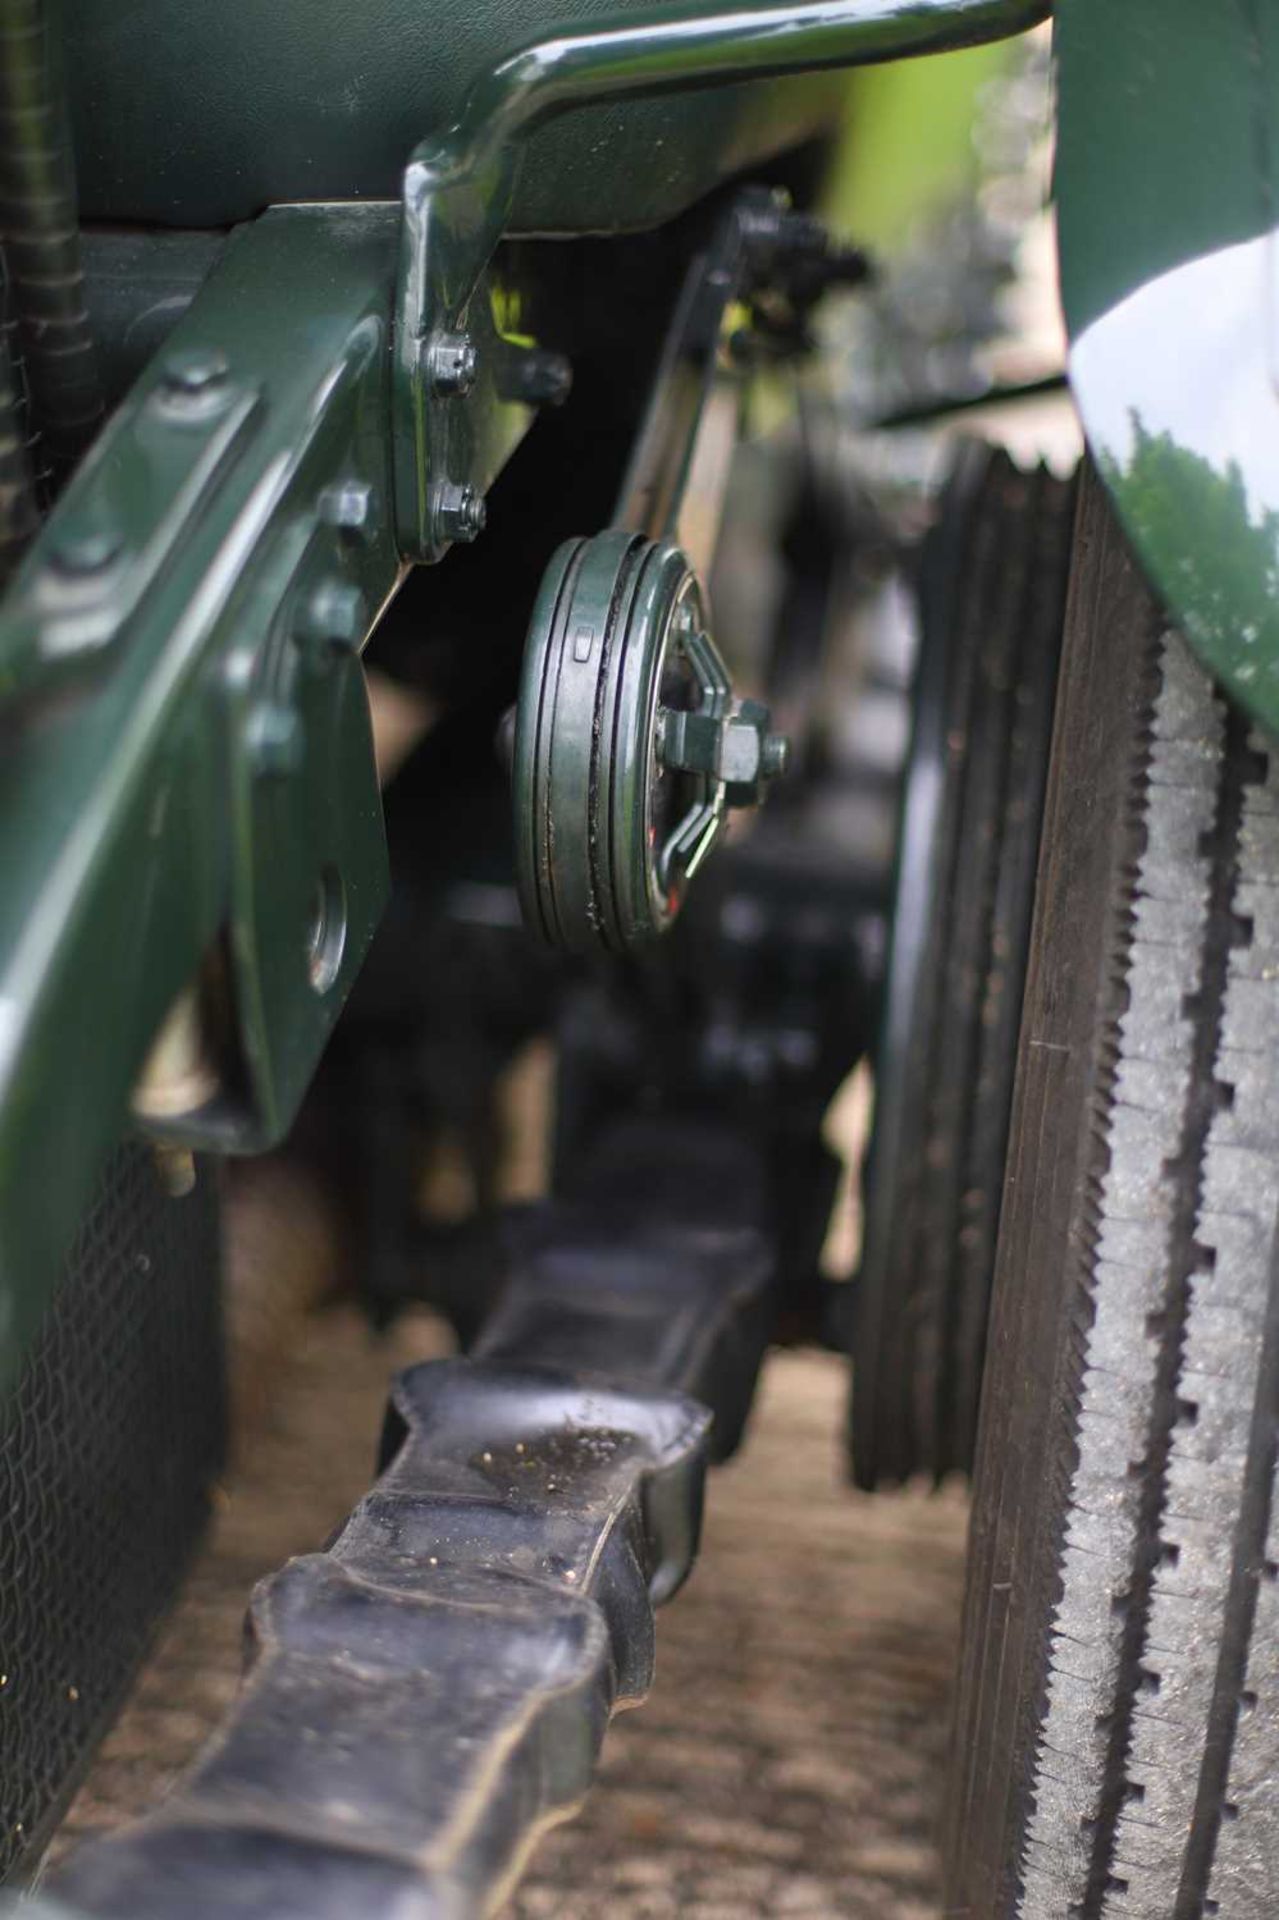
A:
{"points": [[1041, 1307], [1237, 1786], [976, 1229], [996, 596], [1139, 1679], [1114, 1756], [1212, 1532], [964, 545], [1139, 1245], [995, 610]]}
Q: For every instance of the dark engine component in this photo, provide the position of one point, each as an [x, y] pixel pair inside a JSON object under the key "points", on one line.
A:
{"points": [[108, 1445], [993, 591]]}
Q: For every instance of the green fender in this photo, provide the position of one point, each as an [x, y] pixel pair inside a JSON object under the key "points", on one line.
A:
{"points": [[1167, 169]]}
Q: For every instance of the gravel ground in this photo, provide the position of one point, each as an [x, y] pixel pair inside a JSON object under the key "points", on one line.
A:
{"points": [[789, 1759]]}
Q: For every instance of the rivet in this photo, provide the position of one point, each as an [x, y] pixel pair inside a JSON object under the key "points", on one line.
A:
{"points": [[82, 549], [193, 371], [460, 512], [335, 613], [274, 737]]}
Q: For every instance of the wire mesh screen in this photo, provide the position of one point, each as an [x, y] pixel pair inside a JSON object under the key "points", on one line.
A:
{"points": [[108, 1446]]}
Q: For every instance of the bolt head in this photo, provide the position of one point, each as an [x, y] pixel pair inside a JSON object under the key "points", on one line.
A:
{"points": [[452, 363], [275, 739], [348, 506], [336, 615], [81, 549], [461, 514]]}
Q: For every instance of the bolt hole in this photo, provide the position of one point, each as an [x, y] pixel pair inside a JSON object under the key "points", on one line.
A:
{"points": [[326, 930]]}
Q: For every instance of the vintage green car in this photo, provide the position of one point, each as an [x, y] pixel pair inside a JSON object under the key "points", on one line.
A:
{"points": [[407, 347]]}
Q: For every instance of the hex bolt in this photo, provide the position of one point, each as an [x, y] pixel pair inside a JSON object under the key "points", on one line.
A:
{"points": [[80, 549], [274, 737], [452, 362], [335, 613], [460, 513], [194, 372], [347, 506], [774, 756]]}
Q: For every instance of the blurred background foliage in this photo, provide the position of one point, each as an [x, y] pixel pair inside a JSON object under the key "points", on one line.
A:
{"points": [[908, 146]]}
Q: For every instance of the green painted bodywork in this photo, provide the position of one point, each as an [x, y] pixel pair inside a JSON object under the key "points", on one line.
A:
{"points": [[205, 115], [1166, 191], [202, 116]]}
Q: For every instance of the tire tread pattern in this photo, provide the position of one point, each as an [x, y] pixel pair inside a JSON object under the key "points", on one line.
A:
{"points": [[1118, 1726]]}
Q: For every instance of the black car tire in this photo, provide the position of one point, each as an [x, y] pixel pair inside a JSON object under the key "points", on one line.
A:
{"points": [[992, 596], [1117, 1736]]}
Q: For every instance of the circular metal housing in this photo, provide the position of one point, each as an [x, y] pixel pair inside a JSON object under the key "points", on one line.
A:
{"points": [[609, 827]]}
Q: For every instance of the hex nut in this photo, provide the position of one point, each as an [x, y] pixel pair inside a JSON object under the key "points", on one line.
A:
{"points": [[334, 613], [452, 363], [460, 513]]}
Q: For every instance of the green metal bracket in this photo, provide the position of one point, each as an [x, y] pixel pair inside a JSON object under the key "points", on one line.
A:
{"points": [[187, 783], [458, 190]]}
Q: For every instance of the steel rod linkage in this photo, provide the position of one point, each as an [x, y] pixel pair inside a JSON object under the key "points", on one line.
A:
{"points": [[459, 185]]}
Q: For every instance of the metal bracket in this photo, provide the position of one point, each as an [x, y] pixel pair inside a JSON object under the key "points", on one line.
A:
{"points": [[187, 784], [458, 188]]}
